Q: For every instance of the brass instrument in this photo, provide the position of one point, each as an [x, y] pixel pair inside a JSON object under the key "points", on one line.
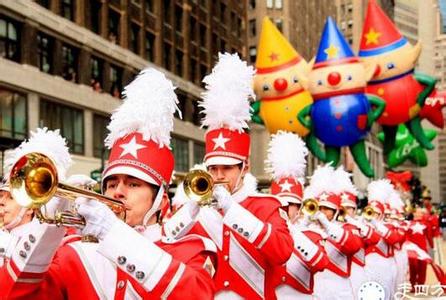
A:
{"points": [[34, 181], [199, 185], [342, 214], [310, 207], [368, 213]]}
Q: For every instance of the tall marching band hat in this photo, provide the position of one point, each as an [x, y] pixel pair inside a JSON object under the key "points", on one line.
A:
{"points": [[286, 162], [140, 130], [379, 34], [379, 192], [396, 203], [227, 111], [323, 187], [349, 192]]}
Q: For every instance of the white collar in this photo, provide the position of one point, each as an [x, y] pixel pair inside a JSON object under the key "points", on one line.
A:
{"points": [[245, 190]]}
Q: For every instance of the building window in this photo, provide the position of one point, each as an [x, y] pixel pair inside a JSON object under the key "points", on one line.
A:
{"points": [[97, 78], [269, 3], [67, 9], [239, 27], [179, 62], [95, 15], [252, 54], [45, 53], [9, 40], [149, 6], [69, 120], [116, 81], [182, 99], [13, 115], [203, 35], [150, 46], [252, 4], [167, 14], [222, 12], [278, 4], [178, 18], [113, 26], [44, 3], [193, 70], [197, 115], [199, 151], [180, 148], [167, 56], [279, 24], [252, 27], [99, 133], [69, 63], [134, 38]]}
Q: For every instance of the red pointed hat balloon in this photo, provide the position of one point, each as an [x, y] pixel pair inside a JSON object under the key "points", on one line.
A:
{"points": [[227, 111], [286, 162], [394, 80]]}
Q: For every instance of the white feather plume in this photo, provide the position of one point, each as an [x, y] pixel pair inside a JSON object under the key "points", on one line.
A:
{"points": [[343, 179], [148, 108], [322, 182], [379, 190], [228, 89], [47, 142], [395, 200], [286, 156]]}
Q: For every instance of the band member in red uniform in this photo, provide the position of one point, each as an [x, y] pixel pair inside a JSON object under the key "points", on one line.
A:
{"points": [[251, 235], [340, 243], [287, 163], [380, 265], [127, 263]]}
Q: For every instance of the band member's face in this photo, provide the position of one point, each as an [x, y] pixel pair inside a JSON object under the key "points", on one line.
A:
{"points": [[11, 209], [350, 211], [234, 174], [328, 212], [293, 211], [136, 194], [418, 214]]}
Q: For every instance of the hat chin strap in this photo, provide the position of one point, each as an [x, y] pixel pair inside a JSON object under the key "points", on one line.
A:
{"points": [[17, 219], [239, 182], [155, 206]]}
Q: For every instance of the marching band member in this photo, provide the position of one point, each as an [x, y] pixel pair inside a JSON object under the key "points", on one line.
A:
{"points": [[380, 265], [357, 226], [251, 235], [126, 263], [340, 243], [286, 163]]}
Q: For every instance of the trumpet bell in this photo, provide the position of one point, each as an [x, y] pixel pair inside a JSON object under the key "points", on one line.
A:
{"points": [[198, 186], [310, 207], [368, 213]]}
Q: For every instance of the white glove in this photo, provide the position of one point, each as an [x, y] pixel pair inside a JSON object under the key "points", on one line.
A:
{"points": [[55, 205], [334, 231], [363, 228], [98, 217], [81, 180], [223, 197], [322, 218], [380, 227], [306, 220]]}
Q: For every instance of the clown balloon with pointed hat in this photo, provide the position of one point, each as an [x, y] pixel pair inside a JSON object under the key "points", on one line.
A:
{"points": [[342, 113], [394, 80]]}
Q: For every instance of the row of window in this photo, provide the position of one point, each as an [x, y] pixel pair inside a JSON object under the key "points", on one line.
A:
{"points": [[70, 121], [278, 4]]}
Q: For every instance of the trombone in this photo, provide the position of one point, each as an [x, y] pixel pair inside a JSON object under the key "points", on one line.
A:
{"points": [[33, 182], [199, 185]]}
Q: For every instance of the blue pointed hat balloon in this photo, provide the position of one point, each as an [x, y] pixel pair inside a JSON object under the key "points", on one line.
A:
{"points": [[333, 45]]}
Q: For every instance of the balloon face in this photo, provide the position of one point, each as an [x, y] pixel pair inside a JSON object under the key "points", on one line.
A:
{"points": [[340, 120]]}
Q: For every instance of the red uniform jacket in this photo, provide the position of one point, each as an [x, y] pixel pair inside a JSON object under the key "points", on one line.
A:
{"points": [[385, 245]]}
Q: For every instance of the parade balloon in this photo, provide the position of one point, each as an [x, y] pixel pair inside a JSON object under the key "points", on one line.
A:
{"points": [[280, 83], [432, 109], [394, 81], [342, 113]]}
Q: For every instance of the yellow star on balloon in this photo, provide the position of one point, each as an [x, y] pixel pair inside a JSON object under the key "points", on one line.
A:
{"points": [[331, 51], [372, 37]]}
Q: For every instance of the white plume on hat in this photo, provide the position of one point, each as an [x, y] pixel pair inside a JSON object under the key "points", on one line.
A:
{"points": [[379, 190], [343, 180], [228, 89], [149, 104], [47, 142], [286, 156], [395, 201], [322, 181]]}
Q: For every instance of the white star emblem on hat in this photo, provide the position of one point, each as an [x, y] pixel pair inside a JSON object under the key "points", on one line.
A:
{"points": [[286, 186], [131, 148], [344, 197], [323, 197], [220, 141], [417, 228]]}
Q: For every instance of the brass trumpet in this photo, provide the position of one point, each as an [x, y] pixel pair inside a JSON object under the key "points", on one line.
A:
{"points": [[368, 213], [342, 214], [310, 207], [34, 181], [199, 185]]}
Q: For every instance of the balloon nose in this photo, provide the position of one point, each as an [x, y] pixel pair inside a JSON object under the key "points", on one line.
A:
{"points": [[334, 78], [280, 84]]}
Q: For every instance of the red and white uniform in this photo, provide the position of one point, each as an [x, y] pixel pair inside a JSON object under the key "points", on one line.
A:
{"points": [[333, 282], [125, 265], [8, 241], [252, 239], [418, 233]]}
